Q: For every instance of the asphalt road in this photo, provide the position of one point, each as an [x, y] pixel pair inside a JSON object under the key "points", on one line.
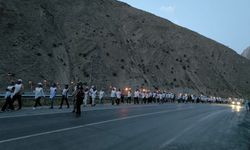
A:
{"points": [[128, 127]]}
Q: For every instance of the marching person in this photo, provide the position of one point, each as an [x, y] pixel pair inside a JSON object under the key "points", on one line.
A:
{"points": [[118, 97], [74, 98], [85, 100], [18, 93], [101, 95], [93, 96], [79, 99], [39, 93], [129, 96], [65, 96], [136, 96], [52, 95], [113, 95], [90, 94], [8, 98]]}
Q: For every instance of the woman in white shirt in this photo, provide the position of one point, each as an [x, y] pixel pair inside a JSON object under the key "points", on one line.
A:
{"points": [[39, 93]]}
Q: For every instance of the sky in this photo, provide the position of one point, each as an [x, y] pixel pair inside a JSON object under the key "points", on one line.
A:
{"points": [[225, 21]]}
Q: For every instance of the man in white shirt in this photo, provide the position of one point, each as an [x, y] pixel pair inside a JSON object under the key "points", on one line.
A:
{"points": [[118, 97], [93, 96], [18, 93], [101, 95], [113, 95], [39, 93], [136, 96], [129, 96], [65, 96], [52, 94]]}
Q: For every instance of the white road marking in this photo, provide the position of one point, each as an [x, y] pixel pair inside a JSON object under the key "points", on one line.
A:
{"points": [[169, 141], [87, 125]]}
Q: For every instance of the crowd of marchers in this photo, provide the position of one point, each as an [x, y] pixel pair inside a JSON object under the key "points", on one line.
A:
{"points": [[84, 95]]}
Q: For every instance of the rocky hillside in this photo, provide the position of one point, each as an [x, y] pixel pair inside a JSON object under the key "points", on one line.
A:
{"points": [[246, 53], [106, 42]]}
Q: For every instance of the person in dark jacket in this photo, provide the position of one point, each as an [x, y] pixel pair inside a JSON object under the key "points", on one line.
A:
{"points": [[79, 99]]}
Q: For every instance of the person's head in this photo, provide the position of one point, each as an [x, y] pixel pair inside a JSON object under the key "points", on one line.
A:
{"points": [[39, 84], [79, 86], [54, 85], [19, 81], [66, 86]]}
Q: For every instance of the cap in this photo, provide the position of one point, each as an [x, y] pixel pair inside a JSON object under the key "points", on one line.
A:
{"points": [[20, 80]]}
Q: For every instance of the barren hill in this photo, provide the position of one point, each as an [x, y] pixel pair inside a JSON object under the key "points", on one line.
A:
{"points": [[246, 53], [106, 42]]}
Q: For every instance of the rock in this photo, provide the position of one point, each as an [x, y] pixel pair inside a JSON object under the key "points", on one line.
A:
{"points": [[106, 42]]}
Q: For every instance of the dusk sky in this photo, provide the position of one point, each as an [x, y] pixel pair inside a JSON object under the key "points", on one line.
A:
{"points": [[225, 21]]}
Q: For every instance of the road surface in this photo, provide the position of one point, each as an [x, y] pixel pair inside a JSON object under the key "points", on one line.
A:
{"points": [[128, 127]]}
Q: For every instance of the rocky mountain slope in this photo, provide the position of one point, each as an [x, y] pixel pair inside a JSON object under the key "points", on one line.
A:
{"points": [[246, 53], [106, 42]]}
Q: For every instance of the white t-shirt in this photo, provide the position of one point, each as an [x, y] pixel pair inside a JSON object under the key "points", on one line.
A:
{"points": [[93, 94], [8, 93], [52, 92], [129, 94], [18, 88], [86, 95], [65, 92], [136, 94], [113, 92], [101, 94], [118, 94], [39, 92]]}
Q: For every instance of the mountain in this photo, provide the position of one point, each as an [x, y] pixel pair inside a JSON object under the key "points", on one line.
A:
{"points": [[246, 53], [109, 43]]}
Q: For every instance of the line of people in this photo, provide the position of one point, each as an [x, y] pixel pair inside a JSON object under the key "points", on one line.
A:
{"points": [[89, 95]]}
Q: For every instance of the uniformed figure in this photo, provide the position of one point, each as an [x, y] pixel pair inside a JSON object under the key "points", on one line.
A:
{"points": [[101, 95], [113, 96], [18, 93], [65, 96], [90, 94], [39, 93], [8, 98], [118, 97], [52, 95], [136, 96], [93, 96], [129, 96], [86, 95]]}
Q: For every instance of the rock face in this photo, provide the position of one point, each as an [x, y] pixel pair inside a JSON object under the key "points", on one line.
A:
{"points": [[246, 53], [106, 42]]}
